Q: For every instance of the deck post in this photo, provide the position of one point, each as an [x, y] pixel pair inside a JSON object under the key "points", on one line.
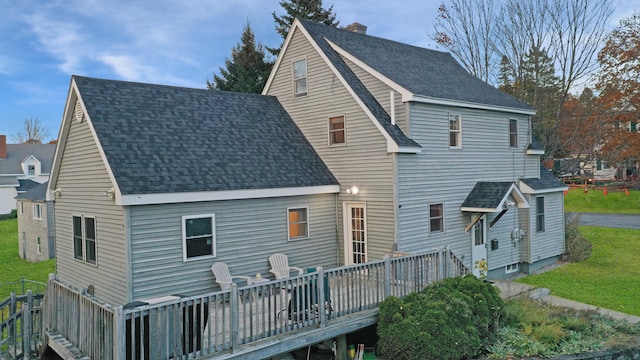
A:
{"points": [[235, 317], [321, 296], [341, 347], [387, 277], [446, 266], [119, 335], [26, 329]]}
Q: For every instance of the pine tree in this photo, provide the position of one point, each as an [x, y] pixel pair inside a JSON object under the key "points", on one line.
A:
{"points": [[303, 9], [247, 70]]}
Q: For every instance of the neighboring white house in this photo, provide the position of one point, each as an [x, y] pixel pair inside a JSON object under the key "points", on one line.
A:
{"points": [[22, 167]]}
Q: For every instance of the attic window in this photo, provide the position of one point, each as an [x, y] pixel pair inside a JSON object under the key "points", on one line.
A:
{"points": [[336, 130], [300, 78], [78, 113], [455, 131], [31, 170]]}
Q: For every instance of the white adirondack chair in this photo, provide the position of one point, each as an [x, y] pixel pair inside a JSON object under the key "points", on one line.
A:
{"points": [[280, 266], [224, 278]]}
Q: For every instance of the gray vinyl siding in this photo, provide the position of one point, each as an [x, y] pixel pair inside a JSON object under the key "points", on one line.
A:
{"points": [[364, 160], [509, 251], [247, 232], [83, 180], [381, 92], [441, 174], [550, 242]]}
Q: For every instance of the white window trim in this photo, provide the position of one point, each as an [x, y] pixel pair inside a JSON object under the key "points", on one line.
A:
{"points": [[512, 268], [213, 237], [517, 133], [459, 131], [83, 234], [443, 218], [37, 214], [288, 224], [39, 245], [344, 131], [294, 79]]}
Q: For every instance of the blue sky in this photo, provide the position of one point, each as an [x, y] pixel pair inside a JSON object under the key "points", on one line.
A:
{"points": [[43, 43]]}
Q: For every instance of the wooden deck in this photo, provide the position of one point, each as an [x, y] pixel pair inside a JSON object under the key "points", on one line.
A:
{"points": [[243, 322]]}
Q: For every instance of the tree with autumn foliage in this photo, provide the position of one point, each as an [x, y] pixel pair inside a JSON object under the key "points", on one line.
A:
{"points": [[618, 83]]}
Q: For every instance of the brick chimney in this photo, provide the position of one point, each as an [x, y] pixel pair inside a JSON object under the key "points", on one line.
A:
{"points": [[356, 28], [3, 146]]}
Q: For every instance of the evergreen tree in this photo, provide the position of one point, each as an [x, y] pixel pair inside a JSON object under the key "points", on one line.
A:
{"points": [[247, 70], [303, 9]]}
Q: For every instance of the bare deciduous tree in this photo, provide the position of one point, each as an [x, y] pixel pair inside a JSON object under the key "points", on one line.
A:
{"points": [[33, 131]]}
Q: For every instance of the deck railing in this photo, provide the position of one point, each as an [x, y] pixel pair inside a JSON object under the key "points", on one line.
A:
{"points": [[20, 325], [226, 321]]}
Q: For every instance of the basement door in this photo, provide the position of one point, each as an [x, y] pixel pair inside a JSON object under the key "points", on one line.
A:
{"points": [[479, 248], [355, 233]]}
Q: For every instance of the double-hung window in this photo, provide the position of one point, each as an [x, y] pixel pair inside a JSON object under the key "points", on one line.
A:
{"points": [[540, 214], [513, 133], [198, 236], [31, 170], [298, 223], [455, 131], [336, 130], [37, 211], [436, 218], [84, 239], [300, 78]]}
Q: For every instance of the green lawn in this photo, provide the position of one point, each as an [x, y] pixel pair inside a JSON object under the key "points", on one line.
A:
{"points": [[610, 278], [594, 201], [13, 267]]}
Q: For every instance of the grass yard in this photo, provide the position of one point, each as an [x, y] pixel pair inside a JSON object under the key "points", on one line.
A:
{"points": [[610, 278], [595, 201], [13, 267]]}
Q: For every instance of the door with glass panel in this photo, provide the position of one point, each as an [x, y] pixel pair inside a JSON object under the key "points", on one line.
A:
{"points": [[355, 227]]}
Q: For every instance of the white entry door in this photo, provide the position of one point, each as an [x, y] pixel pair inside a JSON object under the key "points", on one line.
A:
{"points": [[355, 233], [479, 248]]}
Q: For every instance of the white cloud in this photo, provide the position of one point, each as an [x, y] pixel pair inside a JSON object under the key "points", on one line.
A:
{"points": [[127, 67]]}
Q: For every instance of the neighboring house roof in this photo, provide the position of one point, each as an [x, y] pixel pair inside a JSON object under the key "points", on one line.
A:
{"points": [[36, 193], [546, 183], [17, 153], [26, 185], [9, 181], [321, 33], [423, 72], [162, 139], [535, 147], [492, 196]]}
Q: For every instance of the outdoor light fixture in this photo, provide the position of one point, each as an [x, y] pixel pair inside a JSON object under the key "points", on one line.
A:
{"points": [[353, 190]]}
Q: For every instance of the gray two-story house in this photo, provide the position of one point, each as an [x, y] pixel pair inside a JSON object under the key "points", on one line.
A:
{"points": [[438, 156], [359, 147]]}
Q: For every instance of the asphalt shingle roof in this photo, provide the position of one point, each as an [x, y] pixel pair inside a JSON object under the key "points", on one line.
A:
{"points": [[546, 181], [26, 184], [17, 153], [164, 139], [35, 193], [320, 33], [487, 194], [422, 71]]}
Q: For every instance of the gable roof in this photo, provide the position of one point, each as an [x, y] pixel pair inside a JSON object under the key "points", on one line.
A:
{"points": [[320, 35], [425, 75], [492, 196], [547, 182], [160, 139], [18, 153]]}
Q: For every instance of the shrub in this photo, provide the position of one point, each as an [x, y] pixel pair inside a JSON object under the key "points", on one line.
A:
{"points": [[451, 319], [578, 248]]}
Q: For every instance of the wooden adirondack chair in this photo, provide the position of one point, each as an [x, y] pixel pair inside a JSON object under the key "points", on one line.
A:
{"points": [[224, 278], [280, 266]]}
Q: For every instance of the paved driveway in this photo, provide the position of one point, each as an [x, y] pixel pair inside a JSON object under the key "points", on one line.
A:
{"points": [[610, 220]]}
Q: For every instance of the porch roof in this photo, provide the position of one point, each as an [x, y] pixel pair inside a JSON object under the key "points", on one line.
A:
{"points": [[493, 196]]}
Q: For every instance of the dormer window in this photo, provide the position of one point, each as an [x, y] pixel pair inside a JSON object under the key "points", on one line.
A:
{"points": [[300, 78], [31, 170]]}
